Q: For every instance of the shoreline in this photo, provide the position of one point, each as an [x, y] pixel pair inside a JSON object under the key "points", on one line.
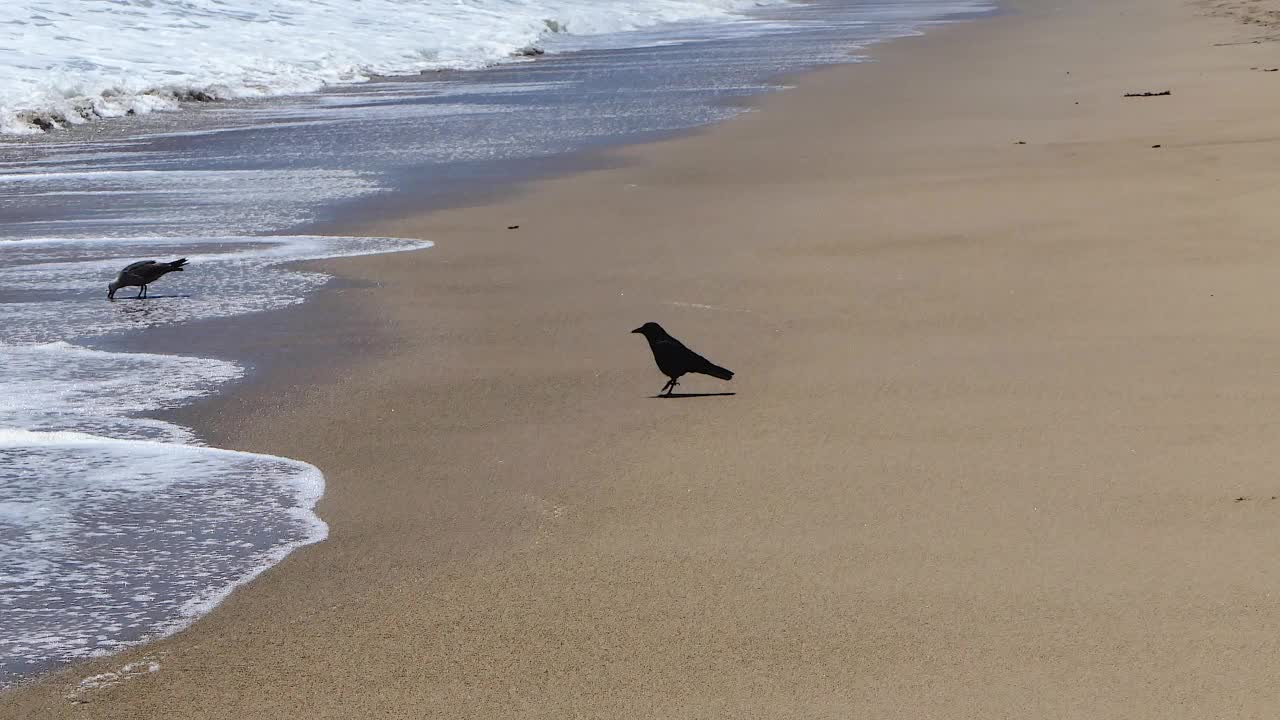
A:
{"points": [[602, 491], [258, 335], [275, 370]]}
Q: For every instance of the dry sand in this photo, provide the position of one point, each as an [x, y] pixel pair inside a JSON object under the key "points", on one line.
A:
{"points": [[1004, 443]]}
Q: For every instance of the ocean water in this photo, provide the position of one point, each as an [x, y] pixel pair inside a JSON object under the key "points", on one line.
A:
{"points": [[78, 59], [117, 526]]}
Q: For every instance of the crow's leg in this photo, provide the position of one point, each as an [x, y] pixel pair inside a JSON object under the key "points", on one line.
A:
{"points": [[670, 384], [141, 288], [671, 387]]}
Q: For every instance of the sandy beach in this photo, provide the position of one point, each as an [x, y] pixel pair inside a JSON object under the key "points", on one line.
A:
{"points": [[1002, 442]]}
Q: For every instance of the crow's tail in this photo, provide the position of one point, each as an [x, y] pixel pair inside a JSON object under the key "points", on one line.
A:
{"points": [[716, 371], [177, 264]]}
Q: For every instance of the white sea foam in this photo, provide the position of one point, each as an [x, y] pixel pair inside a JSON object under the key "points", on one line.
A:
{"points": [[63, 61], [58, 387], [128, 671], [131, 539], [116, 527]]}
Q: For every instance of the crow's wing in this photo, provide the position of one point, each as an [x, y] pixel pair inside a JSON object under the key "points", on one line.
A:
{"points": [[681, 360], [671, 356], [706, 367]]}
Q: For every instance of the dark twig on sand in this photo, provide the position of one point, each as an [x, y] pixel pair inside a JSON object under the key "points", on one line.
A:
{"points": [[1149, 94]]}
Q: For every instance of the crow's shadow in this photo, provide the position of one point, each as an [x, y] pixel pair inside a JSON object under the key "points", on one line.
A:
{"points": [[678, 396], [151, 297]]}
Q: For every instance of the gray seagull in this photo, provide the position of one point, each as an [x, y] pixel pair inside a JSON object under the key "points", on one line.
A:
{"points": [[141, 274]]}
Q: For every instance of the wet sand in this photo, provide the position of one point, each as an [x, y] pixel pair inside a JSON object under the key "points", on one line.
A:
{"points": [[1003, 442]]}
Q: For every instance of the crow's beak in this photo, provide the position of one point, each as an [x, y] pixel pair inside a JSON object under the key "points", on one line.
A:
{"points": [[638, 330]]}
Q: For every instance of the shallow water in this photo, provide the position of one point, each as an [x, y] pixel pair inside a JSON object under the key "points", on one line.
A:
{"points": [[115, 526]]}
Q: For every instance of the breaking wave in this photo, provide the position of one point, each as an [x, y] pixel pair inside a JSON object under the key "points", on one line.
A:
{"points": [[63, 62]]}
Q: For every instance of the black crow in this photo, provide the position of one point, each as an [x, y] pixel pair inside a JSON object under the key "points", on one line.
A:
{"points": [[674, 359], [141, 274]]}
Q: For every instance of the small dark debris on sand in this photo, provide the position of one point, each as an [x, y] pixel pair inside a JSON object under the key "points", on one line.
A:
{"points": [[530, 51], [513, 227], [1266, 69], [1162, 93], [1021, 142], [1242, 498], [1153, 147]]}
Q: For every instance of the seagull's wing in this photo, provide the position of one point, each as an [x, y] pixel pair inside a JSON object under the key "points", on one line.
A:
{"points": [[137, 269]]}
